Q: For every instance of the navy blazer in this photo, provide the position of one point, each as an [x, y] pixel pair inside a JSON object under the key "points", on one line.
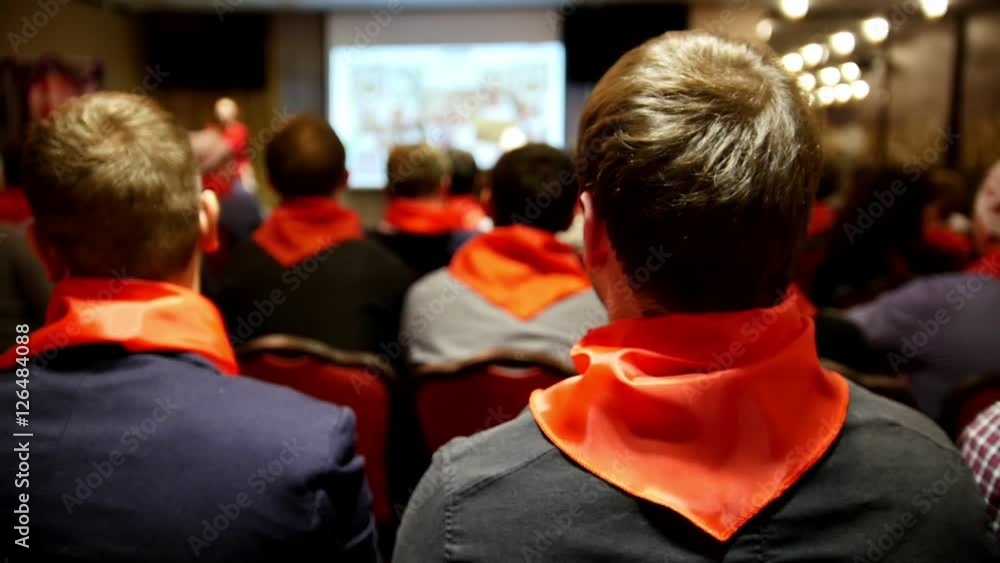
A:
{"points": [[159, 457]]}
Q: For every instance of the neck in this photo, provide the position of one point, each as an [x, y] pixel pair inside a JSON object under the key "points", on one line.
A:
{"points": [[190, 278]]}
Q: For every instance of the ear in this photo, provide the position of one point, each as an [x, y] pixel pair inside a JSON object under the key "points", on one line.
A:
{"points": [[208, 221], [48, 256], [486, 200], [596, 246], [344, 180]]}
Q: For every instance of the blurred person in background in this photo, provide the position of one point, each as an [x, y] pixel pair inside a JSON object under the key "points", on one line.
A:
{"points": [[145, 442], [979, 443], [946, 229], [418, 225], [702, 426], [527, 291], [14, 209], [332, 285], [237, 136], [464, 191], [942, 330]]}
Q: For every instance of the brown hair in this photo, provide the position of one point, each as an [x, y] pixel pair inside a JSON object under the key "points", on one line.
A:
{"points": [[114, 187], [416, 171], [534, 185], [306, 158], [703, 148]]}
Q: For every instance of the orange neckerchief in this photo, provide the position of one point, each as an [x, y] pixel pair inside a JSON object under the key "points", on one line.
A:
{"points": [[14, 206], [796, 297], [301, 227], [947, 241], [141, 316], [520, 269], [713, 416], [468, 210], [420, 217], [988, 264]]}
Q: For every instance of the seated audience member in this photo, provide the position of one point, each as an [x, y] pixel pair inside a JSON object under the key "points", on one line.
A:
{"points": [[418, 225], [979, 448], [942, 329], [463, 194], [702, 427], [144, 445], [308, 271], [237, 136], [25, 289], [14, 208], [945, 228], [515, 288]]}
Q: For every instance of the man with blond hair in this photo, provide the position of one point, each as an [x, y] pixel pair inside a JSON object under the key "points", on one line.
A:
{"points": [[702, 426], [140, 442]]}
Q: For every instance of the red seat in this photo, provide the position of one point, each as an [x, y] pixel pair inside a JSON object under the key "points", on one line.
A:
{"points": [[964, 403], [353, 380], [464, 398]]}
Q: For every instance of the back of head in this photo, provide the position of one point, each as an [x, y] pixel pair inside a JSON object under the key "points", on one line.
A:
{"points": [[417, 171], [306, 158], [704, 148], [536, 178], [114, 186], [464, 172]]}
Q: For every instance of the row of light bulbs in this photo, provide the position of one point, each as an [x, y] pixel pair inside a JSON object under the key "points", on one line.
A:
{"points": [[833, 84], [797, 9]]}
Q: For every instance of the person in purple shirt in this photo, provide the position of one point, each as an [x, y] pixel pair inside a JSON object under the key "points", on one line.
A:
{"points": [[941, 330]]}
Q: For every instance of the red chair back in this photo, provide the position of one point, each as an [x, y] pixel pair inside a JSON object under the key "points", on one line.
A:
{"points": [[469, 397], [964, 403], [347, 379]]}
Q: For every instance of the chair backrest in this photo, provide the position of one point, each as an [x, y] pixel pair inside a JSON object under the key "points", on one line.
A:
{"points": [[964, 402], [358, 381], [464, 398]]}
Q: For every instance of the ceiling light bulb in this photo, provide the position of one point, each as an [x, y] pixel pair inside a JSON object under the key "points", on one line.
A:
{"points": [[794, 9], [843, 43], [850, 71], [826, 95], [807, 82], [876, 29], [934, 9], [792, 62], [860, 89], [813, 54], [765, 28], [843, 93], [829, 75]]}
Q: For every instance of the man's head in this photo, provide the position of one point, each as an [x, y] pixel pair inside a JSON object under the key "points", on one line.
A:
{"points": [[702, 149], [534, 185], [306, 158], [464, 172], [986, 215], [226, 110], [114, 187], [418, 172]]}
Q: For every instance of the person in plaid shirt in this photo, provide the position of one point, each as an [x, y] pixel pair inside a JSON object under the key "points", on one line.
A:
{"points": [[980, 443]]}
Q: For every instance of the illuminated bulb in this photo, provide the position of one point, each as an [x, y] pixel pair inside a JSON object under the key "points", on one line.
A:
{"points": [[792, 62], [829, 75], [765, 28], [826, 95], [807, 82], [875, 30], [813, 54], [843, 93], [794, 9], [934, 9], [843, 43], [850, 72], [860, 89]]}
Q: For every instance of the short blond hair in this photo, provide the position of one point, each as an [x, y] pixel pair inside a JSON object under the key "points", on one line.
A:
{"points": [[416, 170], [114, 187]]}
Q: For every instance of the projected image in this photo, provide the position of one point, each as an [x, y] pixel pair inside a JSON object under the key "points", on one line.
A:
{"points": [[483, 98]]}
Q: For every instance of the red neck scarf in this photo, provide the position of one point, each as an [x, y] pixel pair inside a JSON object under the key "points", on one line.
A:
{"points": [[468, 210], [14, 206], [141, 316], [304, 226], [420, 217], [989, 264], [713, 416], [520, 269]]}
